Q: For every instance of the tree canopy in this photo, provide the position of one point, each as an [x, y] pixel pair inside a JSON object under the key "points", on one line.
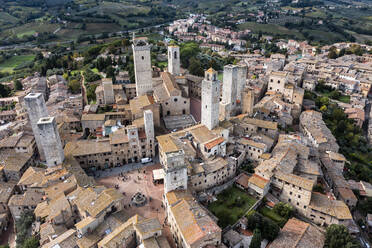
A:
{"points": [[337, 236]]}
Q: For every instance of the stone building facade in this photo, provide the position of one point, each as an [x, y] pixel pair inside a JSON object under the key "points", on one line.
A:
{"points": [[36, 109], [51, 142], [142, 66], [174, 60], [210, 99]]}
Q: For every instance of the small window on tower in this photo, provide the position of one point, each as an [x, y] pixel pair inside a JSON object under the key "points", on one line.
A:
{"points": [[143, 58], [175, 55]]}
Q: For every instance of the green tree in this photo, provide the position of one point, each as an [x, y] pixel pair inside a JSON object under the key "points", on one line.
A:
{"points": [[283, 209], [365, 206], [4, 90], [31, 242], [195, 67], [188, 50], [256, 239], [23, 225], [269, 229], [337, 236], [323, 108], [17, 85], [91, 92], [332, 53], [90, 76], [335, 94], [74, 86]]}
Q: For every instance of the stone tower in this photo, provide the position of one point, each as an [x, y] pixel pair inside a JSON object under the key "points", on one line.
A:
{"points": [[36, 109], [132, 132], [229, 87], [174, 60], [210, 99], [242, 79], [142, 66], [247, 101], [108, 91], [148, 119], [175, 171], [51, 141]]}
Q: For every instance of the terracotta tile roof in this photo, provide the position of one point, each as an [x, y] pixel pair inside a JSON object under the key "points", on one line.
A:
{"points": [[6, 191], [169, 82], [192, 220], [148, 226], [250, 142], [167, 144], [119, 137], [347, 194], [14, 161], [103, 201], [188, 226], [86, 147], [213, 143], [243, 180], [296, 180], [333, 208], [93, 117], [33, 177], [138, 103], [258, 181], [202, 134], [296, 234]]}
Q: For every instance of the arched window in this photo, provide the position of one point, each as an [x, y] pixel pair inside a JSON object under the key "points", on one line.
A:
{"points": [[175, 55]]}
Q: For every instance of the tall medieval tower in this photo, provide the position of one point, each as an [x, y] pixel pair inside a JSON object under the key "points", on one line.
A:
{"points": [[210, 99], [174, 60], [229, 88], [242, 79], [36, 109], [51, 142], [142, 66], [175, 171]]}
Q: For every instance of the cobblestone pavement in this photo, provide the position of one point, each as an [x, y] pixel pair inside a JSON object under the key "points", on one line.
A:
{"points": [[124, 169], [139, 180]]}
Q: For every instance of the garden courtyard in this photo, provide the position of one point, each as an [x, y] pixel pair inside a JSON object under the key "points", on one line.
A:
{"points": [[231, 205]]}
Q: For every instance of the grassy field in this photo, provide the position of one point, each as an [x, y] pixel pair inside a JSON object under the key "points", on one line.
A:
{"points": [[13, 62], [269, 213], [343, 98], [5, 17], [30, 32], [29, 29], [231, 204]]}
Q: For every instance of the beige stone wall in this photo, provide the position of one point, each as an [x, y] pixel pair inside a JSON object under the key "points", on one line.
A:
{"points": [[299, 198], [204, 181], [276, 83], [176, 105]]}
